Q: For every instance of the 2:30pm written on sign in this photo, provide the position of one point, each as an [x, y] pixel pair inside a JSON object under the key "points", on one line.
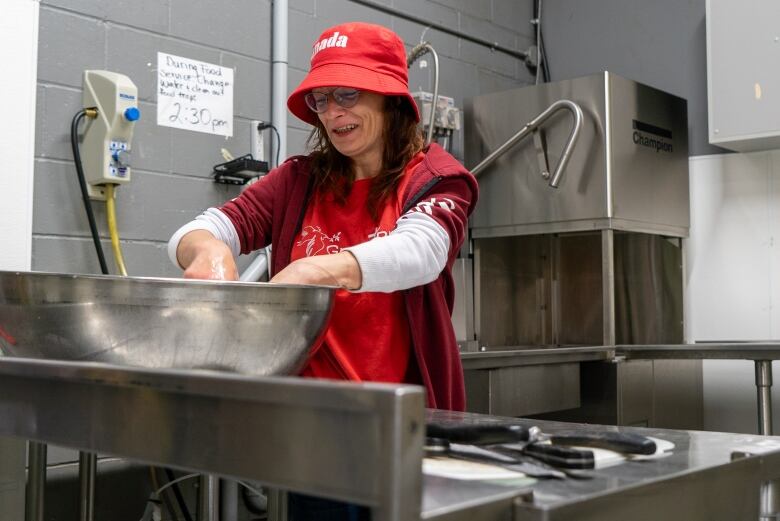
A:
{"points": [[184, 113], [194, 95]]}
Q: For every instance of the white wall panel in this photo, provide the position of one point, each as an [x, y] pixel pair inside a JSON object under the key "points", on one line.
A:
{"points": [[18, 50], [729, 266], [733, 272], [774, 252], [19, 44]]}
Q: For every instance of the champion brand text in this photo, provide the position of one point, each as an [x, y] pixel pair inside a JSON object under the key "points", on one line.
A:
{"points": [[661, 142]]}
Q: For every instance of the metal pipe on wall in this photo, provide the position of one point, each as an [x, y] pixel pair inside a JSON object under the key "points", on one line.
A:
{"points": [[416, 53], [493, 46], [279, 29]]}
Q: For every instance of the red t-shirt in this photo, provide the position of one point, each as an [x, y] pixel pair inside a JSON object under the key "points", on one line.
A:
{"points": [[368, 336]]}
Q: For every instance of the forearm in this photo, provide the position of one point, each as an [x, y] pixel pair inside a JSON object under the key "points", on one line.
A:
{"points": [[342, 266], [202, 256], [339, 269], [191, 244], [412, 255], [212, 221]]}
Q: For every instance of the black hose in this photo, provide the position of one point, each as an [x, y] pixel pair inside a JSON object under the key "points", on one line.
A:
{"points": [[102, 259], [179, 498], [264, 125], [278, 144], [545, 63], [540, 44], [74, 142], [257, 505]]}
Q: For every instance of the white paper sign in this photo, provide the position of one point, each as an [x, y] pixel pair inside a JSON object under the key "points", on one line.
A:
{"points": [[194, 95]]}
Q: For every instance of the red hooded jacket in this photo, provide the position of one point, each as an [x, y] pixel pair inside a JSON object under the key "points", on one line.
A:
{"points": [[272, 210]]}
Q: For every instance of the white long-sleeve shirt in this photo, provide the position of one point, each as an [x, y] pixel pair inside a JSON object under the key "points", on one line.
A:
{"points": [[413, 254]]}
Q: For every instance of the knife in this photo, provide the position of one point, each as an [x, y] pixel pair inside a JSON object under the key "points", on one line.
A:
{"points": [[623, 442], [478, 434], [543, 461], [511, 433], [440, 447]]}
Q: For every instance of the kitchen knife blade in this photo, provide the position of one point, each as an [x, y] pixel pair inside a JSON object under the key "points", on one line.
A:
{"points": [[478, 434], [509, 432], [515, 462], [622, 442]]}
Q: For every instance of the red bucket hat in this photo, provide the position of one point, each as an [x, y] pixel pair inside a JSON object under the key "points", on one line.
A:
{"points": [[358, 55]]}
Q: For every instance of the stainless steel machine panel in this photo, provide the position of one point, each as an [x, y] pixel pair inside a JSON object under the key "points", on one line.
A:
{"points": [[550, 290], [523, 390], [12, 453], [628, 170], [463, 311]]}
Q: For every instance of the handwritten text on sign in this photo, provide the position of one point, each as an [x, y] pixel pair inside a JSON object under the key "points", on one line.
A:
{"points": [[194, 95]]}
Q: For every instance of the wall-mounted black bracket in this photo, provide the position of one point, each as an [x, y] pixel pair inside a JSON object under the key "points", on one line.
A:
{"points": [[239, 171]]}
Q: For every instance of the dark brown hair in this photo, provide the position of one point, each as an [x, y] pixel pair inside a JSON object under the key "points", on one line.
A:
{"points": [[333, 172]]}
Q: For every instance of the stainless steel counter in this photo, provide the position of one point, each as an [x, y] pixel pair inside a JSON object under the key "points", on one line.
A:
{"points": [[698, 481], [523, 381], [535, 356], [357, 442], [761, 353], [703, 351]]}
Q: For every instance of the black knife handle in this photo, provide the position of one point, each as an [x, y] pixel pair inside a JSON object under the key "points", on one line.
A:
{"points": [[477, 434], [623, 442], [561, 457]]}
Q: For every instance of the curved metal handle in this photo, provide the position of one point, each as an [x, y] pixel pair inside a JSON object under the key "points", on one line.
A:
{"points": [[415, 54], [532, 125]]}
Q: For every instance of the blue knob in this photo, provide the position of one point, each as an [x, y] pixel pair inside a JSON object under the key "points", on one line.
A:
{"points": [[132, 114]]}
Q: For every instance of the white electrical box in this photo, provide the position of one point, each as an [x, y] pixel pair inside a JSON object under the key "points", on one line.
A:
{"points": [[447, 114], [743, 74], [105, 151]]}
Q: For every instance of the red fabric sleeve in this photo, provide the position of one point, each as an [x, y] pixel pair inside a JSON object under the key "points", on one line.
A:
{"points": [[252, 211], [450, 202]]}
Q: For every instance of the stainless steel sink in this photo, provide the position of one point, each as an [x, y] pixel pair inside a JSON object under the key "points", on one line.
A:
{"points": [[252, 328]]}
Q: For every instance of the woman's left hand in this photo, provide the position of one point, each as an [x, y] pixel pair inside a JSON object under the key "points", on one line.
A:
{"points": [[340, 269]]}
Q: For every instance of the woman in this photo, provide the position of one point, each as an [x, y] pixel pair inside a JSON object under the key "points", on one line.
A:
{"points": [[369, 210]]}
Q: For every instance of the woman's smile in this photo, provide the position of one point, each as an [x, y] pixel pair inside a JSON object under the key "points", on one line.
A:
{"points": [[344, 130], [357, 131]]}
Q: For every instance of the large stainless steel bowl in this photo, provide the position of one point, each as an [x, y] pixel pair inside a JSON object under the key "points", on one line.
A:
{"points": [[253, 328]]}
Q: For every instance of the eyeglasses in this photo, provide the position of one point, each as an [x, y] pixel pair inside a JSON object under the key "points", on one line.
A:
{"points": [[344, 96]]}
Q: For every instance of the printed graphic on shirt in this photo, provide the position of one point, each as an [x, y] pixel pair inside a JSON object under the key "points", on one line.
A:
{"points": [[378, 232], [428, 206], [317, 242]]}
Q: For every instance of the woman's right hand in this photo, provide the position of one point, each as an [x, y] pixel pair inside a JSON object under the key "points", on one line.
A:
{"points": [[205, 257]]}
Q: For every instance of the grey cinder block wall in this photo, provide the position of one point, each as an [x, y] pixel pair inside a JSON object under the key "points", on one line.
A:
{"points": [[171, 178], [661, 44]]}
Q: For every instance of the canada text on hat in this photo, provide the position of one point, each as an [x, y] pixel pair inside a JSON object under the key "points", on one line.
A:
{"points": [[335, 40]]}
